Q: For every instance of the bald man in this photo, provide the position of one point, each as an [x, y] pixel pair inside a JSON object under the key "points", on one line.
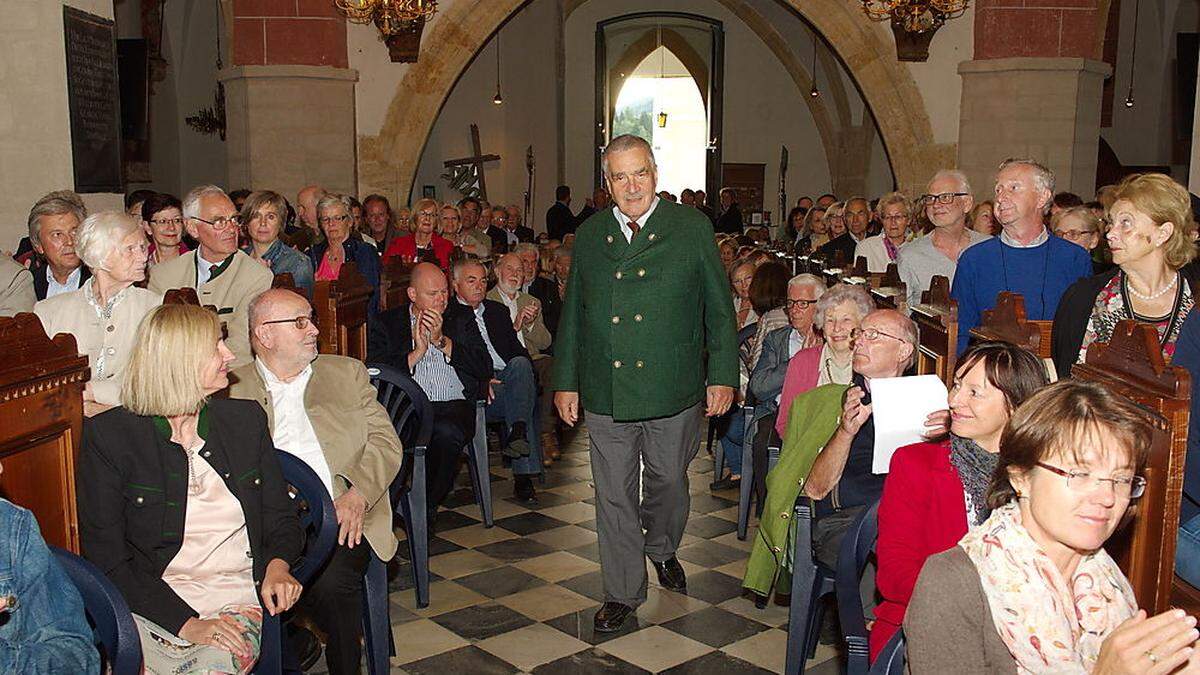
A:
{"points": [[323, 409], [421, 339]]}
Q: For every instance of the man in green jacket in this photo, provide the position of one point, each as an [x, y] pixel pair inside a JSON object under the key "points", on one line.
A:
{"points": [[646, 344]]}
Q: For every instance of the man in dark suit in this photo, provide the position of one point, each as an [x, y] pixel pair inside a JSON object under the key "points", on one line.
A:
{"points": [[858, 217], [506, 232], [53, 221], [730, 220], [511, 393], [600, 202], [559, 219], [434, 346]]}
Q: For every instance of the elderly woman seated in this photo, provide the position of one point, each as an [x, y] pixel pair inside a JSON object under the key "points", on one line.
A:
{"points": [[264, 214], [103, 315], [182, 503], [1031, 589], [935, 491], [338, 248], [1151, 242]]}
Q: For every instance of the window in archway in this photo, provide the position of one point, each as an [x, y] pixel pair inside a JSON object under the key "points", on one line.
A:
{"points": [[661, 84]]}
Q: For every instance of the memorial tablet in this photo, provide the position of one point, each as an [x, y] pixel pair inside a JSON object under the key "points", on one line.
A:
{"points": [[94, 100]]}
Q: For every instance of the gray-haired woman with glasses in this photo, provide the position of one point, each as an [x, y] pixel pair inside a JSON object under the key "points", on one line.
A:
{"points": [[327, 257], [1031, 589]]}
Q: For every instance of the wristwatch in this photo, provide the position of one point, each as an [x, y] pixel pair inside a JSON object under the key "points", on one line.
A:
{"points": [[441, 344]]}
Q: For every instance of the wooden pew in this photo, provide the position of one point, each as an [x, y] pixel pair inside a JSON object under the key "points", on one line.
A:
{"points": [[341, 307], [888, 291], [1006, 322], [937, 331], [831, 270], [394, 275], [286, 280], [1131, 364], [41, 424]]}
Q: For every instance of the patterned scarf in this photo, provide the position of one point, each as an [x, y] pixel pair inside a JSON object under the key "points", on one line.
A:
{"points": [[1112, 305], [975, 467], [1049, 624]]}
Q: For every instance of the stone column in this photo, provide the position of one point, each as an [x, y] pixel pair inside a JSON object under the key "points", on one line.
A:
{"points": [[1044, 108], [289, 98]]}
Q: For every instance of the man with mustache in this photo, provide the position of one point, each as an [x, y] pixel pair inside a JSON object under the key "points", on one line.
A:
{"points": [[1024, 259], [53, 221], [222, 275], [323, 410], [646, 299]]}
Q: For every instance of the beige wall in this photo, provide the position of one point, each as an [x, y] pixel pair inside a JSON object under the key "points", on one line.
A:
{"points": [[35, 129]]}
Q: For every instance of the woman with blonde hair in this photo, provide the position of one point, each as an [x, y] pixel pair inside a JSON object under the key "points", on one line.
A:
{"points": [[182, 503], [103, 315], [1150, 237], [1080, 225], [982, 220]]}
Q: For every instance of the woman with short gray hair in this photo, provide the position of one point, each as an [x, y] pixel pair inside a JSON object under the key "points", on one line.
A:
{"points": [[840, 310], [103, 315], [327, 257]]}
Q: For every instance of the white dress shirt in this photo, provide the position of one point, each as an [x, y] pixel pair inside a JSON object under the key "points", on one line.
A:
{"points": [[623, 220], [293, 431], [1042, 237], [497, 362], [54, 288]]}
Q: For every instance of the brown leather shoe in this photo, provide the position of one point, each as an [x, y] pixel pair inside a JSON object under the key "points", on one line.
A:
{"points": [[610, 616]]}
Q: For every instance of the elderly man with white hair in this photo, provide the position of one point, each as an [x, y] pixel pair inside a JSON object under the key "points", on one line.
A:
{"points": [[103, 315], [947, 202], [222, 275], [53, 221]]}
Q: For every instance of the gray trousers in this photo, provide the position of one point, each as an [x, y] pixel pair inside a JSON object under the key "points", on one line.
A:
{"points": [[630, 526]]}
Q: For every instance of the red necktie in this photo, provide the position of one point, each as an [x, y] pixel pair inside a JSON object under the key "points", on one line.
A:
{"points": [[634, 227]]}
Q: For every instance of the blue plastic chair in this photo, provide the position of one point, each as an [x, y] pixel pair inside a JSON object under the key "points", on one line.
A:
{"points": [[857, 548], [812, 582], [320, 526], [891, 660], [412, 416], [107, 612]]}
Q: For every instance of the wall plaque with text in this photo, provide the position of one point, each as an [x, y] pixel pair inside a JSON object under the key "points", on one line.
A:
{"points": [[94, 100]]}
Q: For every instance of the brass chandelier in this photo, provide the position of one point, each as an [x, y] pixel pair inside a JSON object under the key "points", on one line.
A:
{"points": [[391, 17], [914, 16]]}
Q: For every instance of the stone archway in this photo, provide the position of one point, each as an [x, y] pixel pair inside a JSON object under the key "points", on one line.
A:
{"points": [[390, 159]]}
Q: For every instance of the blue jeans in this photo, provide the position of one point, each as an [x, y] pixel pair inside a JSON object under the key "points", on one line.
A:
{"points": [[731, 442], [1187, 552], [514, 401]]}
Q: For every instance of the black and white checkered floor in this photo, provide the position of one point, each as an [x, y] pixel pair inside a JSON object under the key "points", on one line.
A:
{"points": [[519, 597]]}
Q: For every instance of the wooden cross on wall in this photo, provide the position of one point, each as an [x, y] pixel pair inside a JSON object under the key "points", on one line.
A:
{"points": [[466, 174]]}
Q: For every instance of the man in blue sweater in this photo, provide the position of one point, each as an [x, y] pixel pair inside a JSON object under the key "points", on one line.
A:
{"points": [[1024, 259]]}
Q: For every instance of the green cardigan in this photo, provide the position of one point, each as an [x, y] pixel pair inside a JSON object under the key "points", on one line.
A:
{"points": [[813, 419], [639, 317]]}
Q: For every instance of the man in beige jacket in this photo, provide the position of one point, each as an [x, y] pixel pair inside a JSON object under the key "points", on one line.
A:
{"points": [[323, 410], [222, 275], [16, 288]]}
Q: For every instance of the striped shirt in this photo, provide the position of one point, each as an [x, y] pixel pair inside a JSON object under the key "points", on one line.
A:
{"points": [[434, 373]]}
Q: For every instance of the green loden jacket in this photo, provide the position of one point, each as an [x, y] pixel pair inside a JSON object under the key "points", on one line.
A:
{"points": [[640, 317]]}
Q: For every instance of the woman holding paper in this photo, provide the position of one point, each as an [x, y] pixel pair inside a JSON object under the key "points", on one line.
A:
{"points": [[935, 491]]}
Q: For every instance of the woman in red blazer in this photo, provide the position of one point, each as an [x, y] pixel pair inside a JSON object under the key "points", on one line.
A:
{"points": [[934, 491], [424, 237]]}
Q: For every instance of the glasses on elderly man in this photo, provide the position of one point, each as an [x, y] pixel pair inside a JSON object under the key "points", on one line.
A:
{"points": [[222, 222], [1130, 487], [301, 322], [801, 304], [325, 220], [942, 198], [872, 334]]}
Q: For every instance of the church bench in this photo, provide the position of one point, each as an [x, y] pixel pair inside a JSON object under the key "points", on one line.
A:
{"points": [[341, 308], [937, 331]]}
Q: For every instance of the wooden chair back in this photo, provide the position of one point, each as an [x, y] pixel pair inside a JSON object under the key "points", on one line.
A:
{"points": [[394, 276], [182, 296], [41, 424], [286, 280], [341, 307], [1007, 322], [937, 331], [1131, 364]]}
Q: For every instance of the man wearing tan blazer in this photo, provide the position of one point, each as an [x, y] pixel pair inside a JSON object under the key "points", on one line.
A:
{"points": [[323, 410], [222, 275], [16, 288]]}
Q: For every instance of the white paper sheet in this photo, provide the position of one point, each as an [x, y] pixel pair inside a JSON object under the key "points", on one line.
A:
{"points": [[900, 406]]}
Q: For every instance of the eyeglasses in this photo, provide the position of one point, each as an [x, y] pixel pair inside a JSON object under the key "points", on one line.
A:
{"points": [[167, 221], [222, 222], [872, 334], [943, 198], [802, 304], [1074, 235], [1130, 487], [898, 216], [301, 322], [325, 220], [427, 214]]}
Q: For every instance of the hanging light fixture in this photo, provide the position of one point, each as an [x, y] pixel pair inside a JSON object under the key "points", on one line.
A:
{"points": [[814, 92], [498, 99], [1137, 6], [914, 22], [389, 16], [662, 75]]}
